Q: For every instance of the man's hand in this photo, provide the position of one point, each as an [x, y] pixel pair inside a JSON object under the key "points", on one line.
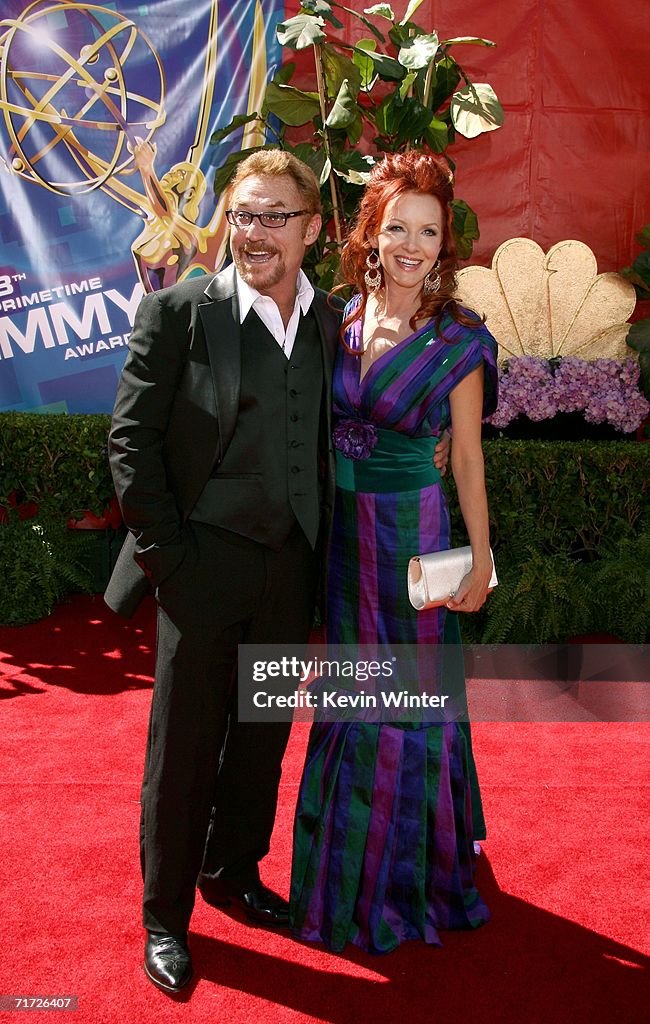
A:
{"points": [[441, 453]]}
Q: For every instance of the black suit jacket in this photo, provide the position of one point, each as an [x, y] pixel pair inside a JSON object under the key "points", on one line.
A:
{"points": [[175, 414]]}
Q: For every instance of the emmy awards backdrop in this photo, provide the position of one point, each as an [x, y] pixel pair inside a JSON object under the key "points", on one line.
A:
{"points": [[106, 169]]}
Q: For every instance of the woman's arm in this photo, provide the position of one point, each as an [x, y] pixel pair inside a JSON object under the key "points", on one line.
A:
{"points": [[466, 406]]}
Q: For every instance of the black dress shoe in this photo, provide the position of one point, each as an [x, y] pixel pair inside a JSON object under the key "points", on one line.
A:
{"points": [[167, 961], [261, 905]]}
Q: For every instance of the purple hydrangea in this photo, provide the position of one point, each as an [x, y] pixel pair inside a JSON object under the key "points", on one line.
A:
{"points": [[355, 438], [605, 390]]}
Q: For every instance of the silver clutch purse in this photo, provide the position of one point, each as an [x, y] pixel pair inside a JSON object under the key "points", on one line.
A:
{"points": [[434, 578]]}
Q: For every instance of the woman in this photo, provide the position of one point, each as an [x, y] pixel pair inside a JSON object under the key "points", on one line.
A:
{"points": [[383, 847]]}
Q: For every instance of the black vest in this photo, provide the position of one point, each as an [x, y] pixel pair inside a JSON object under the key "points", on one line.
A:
{"points": [[268, 478]]}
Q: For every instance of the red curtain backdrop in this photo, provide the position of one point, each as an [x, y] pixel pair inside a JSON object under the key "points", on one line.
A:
{"points": [[573, 158]]}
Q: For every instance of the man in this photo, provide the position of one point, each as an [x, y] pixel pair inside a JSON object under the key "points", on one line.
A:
{"points": [[221, 456], [222, 464]]}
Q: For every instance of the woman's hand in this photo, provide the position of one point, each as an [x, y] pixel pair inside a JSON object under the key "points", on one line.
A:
{"points": [[472, 591], [441, 452]]}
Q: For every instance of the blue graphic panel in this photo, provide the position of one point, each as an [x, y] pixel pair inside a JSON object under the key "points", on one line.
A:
{"points": [[106, 171]]}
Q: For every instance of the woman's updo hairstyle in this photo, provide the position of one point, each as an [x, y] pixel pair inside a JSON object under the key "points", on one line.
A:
{"points": [[392, 176]]}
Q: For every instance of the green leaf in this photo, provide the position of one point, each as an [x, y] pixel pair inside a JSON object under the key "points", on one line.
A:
{"points": [[643, 237], [344, 110], [353, 160], [352, 176], [300, 32], [638, 336], [436, 135], [406, 84], [224, 173], [410, 11], [338, 68], [419, 51], [380, 11], [322, 9], [644, 381], [292, 106], [641, 287], [398, 35], [386, 67], [364, 63], [355, 130], [476, 109], [445, 79], [415, 119], [464, 226], [325, 171], [314, 158], [472, 40], [284, 74], [389, 115], [642, 266], [237, 122], [327, 271]]}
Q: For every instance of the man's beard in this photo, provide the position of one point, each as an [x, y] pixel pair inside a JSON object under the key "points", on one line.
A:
{"points": [[259, 275]]}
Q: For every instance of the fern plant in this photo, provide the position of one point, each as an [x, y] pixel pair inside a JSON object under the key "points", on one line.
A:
{"points": [[619, 590], [535, 601], [42, 562]]}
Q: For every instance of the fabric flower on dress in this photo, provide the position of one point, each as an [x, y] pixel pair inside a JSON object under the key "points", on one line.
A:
{"points": [[355, 438]]}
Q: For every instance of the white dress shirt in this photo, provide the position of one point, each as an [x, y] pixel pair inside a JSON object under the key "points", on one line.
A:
{"points": [[269, 314]]}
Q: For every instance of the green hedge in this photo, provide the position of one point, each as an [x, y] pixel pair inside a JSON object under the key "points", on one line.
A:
{"points": [[57, 461], [56, 467], [570, 529]]}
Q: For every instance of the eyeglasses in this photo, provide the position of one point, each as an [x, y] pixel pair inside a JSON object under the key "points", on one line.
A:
{"points": [[244, 218]]}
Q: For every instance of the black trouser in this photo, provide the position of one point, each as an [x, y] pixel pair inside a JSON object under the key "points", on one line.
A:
{"points": [[228, 590]]}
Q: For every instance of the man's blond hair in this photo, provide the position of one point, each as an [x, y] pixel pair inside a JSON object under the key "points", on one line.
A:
{"points": [[275, 163]]}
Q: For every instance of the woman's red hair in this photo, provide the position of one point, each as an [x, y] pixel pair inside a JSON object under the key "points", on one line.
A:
{"points": [[395, 174]]}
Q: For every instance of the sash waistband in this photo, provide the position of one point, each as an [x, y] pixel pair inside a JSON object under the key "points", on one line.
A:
{"points": [[396, 463]]}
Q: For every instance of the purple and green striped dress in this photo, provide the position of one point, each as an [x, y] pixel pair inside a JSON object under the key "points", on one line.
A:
{"points": [[383, 841]]}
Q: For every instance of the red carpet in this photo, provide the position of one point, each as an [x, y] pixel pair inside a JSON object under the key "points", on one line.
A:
{"points": [[564, 870]]}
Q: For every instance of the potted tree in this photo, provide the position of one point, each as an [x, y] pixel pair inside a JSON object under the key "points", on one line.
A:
{"points": [[399, 86]]}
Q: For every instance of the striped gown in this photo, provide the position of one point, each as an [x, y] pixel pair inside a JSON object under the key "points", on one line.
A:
{"points": [[383, 837]]}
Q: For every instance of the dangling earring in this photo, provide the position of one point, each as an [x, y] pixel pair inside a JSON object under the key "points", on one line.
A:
{"points": [[432, 280], [372, 275]]}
